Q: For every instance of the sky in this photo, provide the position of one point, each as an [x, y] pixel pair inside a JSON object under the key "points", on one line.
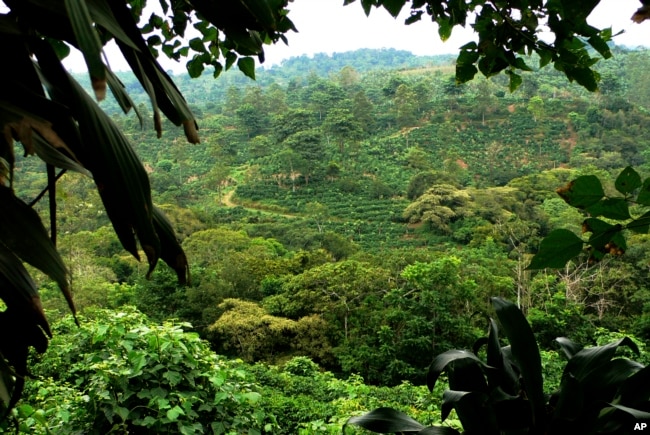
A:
{"points": [[326, 26]]}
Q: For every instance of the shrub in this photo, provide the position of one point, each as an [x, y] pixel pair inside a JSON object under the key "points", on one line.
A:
{"points": [[132, 376]]}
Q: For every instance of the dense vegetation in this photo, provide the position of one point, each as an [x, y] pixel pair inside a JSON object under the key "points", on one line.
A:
{"points": [[344, 221]]}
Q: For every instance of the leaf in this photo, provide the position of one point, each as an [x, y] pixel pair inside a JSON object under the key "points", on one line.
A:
{"points": [[568, 347], [174, 413], [473, 411], [611, 208], [636, 413], [640, 225], [441, 361], [515, 80], [444, 28], [627, 181], [589, 359], [582, 192], [393, 6], [556, 250], [525, 353], [644, 194], [634, 390], [22, 231], [247, 66], [89, 44], [386, 420], [171, 251]]}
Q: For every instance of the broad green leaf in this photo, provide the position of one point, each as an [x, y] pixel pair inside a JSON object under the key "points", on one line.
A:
{"points": [[589, 359], [525, 353], [465, 72], [568, 347], [441, 361], [556, 250], [640, 225], [386, 420], [628, 181], [611, 208], [247, 66], [644, 194], [473, 411], [174, 413], [582, 192]]}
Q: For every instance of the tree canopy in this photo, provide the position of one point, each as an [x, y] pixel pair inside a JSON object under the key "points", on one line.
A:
{"points": [[50, 114]]}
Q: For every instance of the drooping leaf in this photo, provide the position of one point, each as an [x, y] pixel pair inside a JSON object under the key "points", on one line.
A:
{"points": [[589, 359], [386, 420], [89, 44], [634, 390], [556, 250], [171, 251], [247, 66], [568, 347], [22, 231], [582, 192], [440, 363]]}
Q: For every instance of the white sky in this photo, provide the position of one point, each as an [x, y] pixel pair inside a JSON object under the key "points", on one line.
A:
{"points": [[326, 26]]}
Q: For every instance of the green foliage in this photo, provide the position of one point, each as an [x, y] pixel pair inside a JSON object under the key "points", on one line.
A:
{"points": [[598, 393], [587, 194], [120, 373]]}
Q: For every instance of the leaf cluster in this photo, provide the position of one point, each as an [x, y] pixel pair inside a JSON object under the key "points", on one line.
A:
{"points": [[609, 217]]}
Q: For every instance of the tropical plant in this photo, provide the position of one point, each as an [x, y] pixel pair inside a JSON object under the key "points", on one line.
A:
{"points": [[599, 392]]}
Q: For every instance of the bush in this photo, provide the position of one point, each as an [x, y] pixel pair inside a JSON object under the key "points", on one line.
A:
{"points": [[120, 373]]}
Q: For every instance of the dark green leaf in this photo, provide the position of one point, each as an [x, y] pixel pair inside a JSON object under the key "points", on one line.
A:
{"points": [[525, 353], [515, 80], [644, 194], [441, 361], [247, 66], [568, 347], [589, 359], [556, 250], [386, 420], [22, 231], [640, 225], [473, 411], [611, 208], [634, 390], [628, 181], [89, 44], [582, 192], [636, 413], [444, 28], [393, 6], [465, 72]]}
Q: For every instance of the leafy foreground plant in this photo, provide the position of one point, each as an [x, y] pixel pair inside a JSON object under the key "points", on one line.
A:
{"points": [[609, 218], [600, 393], [120, 373]]}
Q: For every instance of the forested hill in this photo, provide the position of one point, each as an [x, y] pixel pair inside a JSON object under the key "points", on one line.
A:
{"points": [[359, 216], [362, 60]]}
